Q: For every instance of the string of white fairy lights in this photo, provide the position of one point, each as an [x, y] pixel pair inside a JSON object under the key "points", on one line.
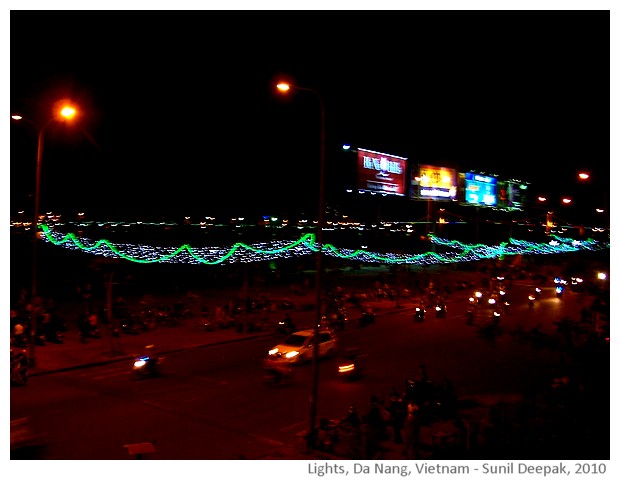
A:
{"points": [[307, 245]]}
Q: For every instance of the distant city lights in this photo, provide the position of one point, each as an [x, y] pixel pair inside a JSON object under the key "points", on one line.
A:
{"points": [[307, 245]]}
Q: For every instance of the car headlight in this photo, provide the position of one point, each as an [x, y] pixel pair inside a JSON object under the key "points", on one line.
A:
{"points": [[273, 351], [139, 363], [292, 354]]}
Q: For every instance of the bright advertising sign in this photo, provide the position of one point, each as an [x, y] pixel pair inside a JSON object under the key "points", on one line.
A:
{"points": [[511, 195], [380, 172], [434, 183], [480, 189]]}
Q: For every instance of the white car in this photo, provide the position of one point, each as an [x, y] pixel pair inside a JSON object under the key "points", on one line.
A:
{"points": [[299, 347]]}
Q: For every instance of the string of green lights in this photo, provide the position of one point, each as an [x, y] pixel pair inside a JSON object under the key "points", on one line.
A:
{"points": [[307, 245]]}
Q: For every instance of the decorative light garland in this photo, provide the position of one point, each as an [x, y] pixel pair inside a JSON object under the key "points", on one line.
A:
{"points": [[306, 245]]}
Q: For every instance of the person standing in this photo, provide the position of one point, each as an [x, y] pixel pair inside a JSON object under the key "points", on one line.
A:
{"points": [[398, 412], [412, 428], [376, 426]]}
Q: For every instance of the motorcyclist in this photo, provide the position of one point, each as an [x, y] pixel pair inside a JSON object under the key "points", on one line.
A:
{"points": [[440, 309], [419, 313], [531, 301], [147, 364], [352, 363], [286, 325], [19, 340]]}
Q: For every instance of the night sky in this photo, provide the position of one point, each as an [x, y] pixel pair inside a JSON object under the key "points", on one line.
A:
{"points": [[179, 113]]}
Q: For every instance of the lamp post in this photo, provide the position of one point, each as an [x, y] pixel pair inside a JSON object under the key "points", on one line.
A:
{"points": [[312, 433], [64, 113]]}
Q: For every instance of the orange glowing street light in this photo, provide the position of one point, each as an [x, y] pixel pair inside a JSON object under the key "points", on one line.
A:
{"points": [[68, 112], [63, 112], [312, 431]]}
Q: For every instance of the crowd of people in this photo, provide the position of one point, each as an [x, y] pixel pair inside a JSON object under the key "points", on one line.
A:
{"points": [[397, 418], [35, 320]]}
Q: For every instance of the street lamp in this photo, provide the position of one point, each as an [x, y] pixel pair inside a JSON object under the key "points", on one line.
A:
{"points": [[64, 113], [312, 433], [585, 179]]}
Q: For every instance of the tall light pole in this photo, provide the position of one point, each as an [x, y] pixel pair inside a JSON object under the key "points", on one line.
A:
{"points": [[66, 112], [312, 432]]}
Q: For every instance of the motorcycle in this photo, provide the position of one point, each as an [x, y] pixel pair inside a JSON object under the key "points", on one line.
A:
{"points": [[285, 327], [531, 299], [352, 365], [419, 314], [440, 311], [537, 292], [346, 431], [146, 366], [505, 306], [559, 290]]}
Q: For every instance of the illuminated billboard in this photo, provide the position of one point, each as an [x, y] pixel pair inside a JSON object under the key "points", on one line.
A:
{"points": [[511, 194], [380, 172], [480, 190], [434, 183]]}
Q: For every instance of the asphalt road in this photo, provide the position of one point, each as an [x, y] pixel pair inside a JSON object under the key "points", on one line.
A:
{"points": [[213, 403]]}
